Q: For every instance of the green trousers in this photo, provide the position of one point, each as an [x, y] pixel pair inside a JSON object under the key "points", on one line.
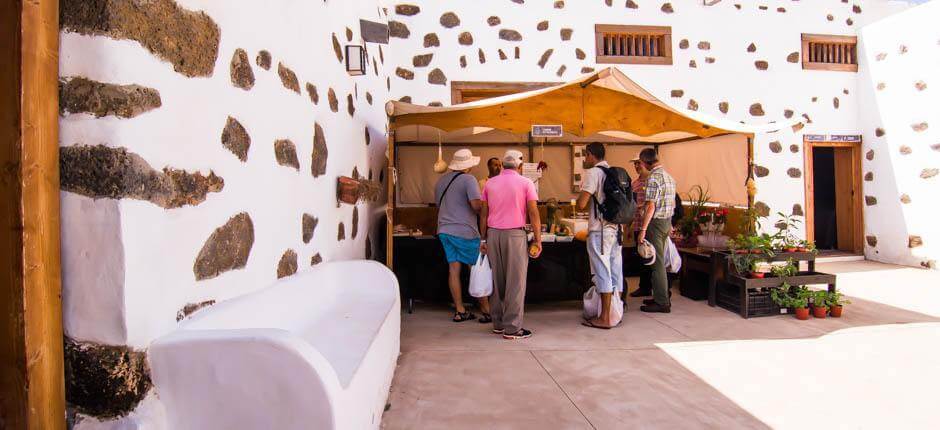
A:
{"points": [[657, 233]]}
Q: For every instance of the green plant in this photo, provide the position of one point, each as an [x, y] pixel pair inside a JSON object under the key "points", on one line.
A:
{"points": [[820, 298], [790, 297], [836, 299], [698, 197], [810, 246], [744, 263], [750, 222], [786, 226], [784, 271]]}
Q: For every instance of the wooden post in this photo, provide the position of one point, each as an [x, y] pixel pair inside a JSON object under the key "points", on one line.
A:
{"points": [[32, 394], [390, 205]]}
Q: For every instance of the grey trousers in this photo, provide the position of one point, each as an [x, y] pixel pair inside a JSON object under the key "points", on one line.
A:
{"points": [[508, 253], [657, 233]]}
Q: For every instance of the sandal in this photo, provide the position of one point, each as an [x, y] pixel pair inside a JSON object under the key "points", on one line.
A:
{"points": [[592, 325], [485, 318], [464, 316]]}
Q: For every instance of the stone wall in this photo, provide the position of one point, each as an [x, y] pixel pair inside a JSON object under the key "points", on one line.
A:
{"points": [[733, 60], [901, 124], [199, 162]]}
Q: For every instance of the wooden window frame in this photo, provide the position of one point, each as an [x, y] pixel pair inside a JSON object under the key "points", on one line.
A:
{"points": [[809, 190], [649, 30], [827, 38], [460, 90]]}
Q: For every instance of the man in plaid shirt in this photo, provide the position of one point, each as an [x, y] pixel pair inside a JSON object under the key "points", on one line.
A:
{"points": [[657, 214]]}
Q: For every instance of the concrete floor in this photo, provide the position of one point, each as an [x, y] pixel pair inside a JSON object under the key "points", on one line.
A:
{"points": [[698, 367]]}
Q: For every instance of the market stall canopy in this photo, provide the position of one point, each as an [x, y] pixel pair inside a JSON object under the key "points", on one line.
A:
{"points": [[605, 103]]}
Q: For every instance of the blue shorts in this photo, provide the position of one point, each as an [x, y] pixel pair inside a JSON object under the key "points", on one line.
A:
{"points": [[466, 251]]}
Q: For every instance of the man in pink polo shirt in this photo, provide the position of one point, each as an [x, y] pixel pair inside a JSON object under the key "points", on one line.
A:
{"points": [[507, 199]]}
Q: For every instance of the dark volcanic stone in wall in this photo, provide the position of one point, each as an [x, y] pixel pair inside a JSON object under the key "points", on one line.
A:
{"points": [[871, 200], [191, 308], [510, 35], [287, 265], [493, 21], [320, 152], [316, 259], [756, 109], [906, 199], [288, 78], [797, 210], [517, 52], [631, 4], [398, 29], [368, 97], [579, 54], [465, 38], [463, 61], [341, 232], [312, 92], [559, 4], [308, 227], [333, 101], [502, 55], [450, 20], [676, 93], [481, 55], [793, 172], [905, 150], [337, 49], [752, 47], [835, 102], [794, 148], [226, 249], [761, 65], [869, 176], [430, 40], [723, 107], [561, 70], [542, 26], [104, 381], [236, 139], [545, 56], [404, 73], [761, 171], [240, 70], [103, 172], [693, 105], [566, 33], [422, 60], [286, 153], [914, 241], [407, 9], [788, 114], [79, 95], [872, 241], [355, 223], [919, 127], [879, 132], [870, 155], [684, 44], [437, 77], [188, 40], [761, 209], [929, 173], [776, 147], [350, 106], [263, 60], [794, 57], [667, 8]]}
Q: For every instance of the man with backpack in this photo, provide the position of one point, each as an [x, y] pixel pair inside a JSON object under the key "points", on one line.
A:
{"points": [[606, 192]]}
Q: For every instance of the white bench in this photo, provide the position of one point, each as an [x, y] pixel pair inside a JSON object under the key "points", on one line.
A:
{"points": [[316, 350]]}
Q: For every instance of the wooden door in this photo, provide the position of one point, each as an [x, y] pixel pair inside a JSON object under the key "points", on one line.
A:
{"points": [[848, 183], [845, 191]]}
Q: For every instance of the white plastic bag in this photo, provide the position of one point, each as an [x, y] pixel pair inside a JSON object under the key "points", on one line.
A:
{"points": [[481, 278], [592, 305], [672, 259]]}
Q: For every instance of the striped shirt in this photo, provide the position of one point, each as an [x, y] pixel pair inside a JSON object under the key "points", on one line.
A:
{"points": [[661, 190]]}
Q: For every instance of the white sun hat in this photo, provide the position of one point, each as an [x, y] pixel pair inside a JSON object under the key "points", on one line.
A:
{"points": [[512, 157], [647, 252], [463, 159]]}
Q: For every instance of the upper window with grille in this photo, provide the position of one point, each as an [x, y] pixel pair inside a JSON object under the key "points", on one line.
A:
{"points": [[827, 52], [633, 44]]}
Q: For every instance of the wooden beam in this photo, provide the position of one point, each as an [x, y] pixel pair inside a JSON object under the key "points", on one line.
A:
{"points": [[32, 394]]}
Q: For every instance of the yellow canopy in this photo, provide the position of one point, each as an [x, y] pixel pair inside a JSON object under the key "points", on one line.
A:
{"points": [[605, 102]]}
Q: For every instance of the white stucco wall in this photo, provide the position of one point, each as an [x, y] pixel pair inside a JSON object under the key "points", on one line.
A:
{"points": [[902, 53], [128, 264], [732, 77]]}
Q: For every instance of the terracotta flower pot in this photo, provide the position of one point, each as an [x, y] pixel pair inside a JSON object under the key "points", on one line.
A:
{"points": [[756, 251], [740, 251], [758, 275], [802, 249], [820, 311], [835, 311], [802, 313], [791, 249]]}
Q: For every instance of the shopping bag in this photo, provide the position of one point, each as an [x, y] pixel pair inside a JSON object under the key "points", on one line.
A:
{"points": [[672, 259], [481, 278], [592, 305]]}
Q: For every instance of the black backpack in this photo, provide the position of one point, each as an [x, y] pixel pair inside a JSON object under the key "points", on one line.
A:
{"points": [[619, 205]]}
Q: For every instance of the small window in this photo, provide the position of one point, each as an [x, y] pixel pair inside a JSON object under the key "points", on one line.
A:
{"points": [[633, 44], [827, 52]]}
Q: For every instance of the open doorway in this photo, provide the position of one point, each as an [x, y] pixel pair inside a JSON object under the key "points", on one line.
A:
{"points": [[833, 195]]}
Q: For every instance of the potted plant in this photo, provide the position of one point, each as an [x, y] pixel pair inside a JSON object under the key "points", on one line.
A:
{"points": [[786, 227], [836, 300], [792, 298], [744, 264], [784, 271], [820, 304]]}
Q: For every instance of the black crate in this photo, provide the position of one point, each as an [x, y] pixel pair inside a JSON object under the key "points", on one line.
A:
{"points": [[760, 304]]}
